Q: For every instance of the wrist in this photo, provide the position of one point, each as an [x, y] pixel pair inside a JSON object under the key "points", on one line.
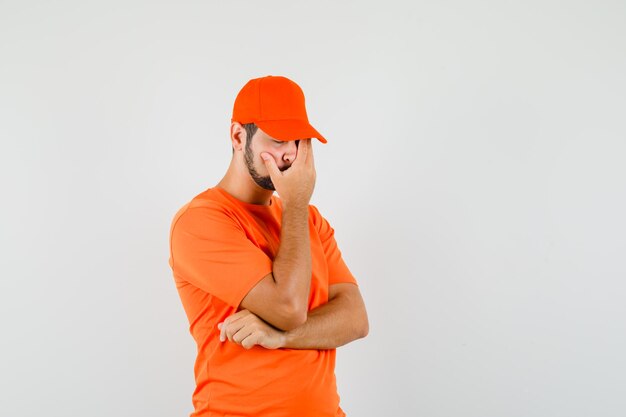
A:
{"points": [[283, 339], [296, 205]]}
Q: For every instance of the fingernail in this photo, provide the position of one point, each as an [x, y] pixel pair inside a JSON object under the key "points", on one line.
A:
{"points": [[264, 156]]}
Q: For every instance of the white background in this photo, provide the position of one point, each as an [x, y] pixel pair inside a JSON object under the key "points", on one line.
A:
{"points": [[474, 176]]}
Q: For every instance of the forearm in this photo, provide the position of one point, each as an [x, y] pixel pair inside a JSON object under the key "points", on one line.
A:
{"points": [[292, 264], [336, 323]]}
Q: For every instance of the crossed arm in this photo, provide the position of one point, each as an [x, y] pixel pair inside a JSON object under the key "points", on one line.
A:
{"points": [[275, 314], [341, 320]]}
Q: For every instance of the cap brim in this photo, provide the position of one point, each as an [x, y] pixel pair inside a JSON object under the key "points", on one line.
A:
{"points": [[289, 130]]}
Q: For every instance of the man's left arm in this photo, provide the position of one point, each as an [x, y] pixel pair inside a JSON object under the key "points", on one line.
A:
{"points": [[341, 320]]}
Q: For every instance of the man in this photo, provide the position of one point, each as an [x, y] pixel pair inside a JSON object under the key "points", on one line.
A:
{"points": [[262, 281]]}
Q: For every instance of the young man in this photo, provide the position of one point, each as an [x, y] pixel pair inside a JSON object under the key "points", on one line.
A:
{"points": [[262, 281]]}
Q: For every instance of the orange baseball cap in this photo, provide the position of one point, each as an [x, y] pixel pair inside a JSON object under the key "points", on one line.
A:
{"points": [[276, 105]]}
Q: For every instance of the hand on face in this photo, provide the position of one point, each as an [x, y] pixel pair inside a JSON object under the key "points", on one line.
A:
{"points": [[294, 185]]}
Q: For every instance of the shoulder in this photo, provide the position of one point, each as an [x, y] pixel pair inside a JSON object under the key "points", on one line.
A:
{"points": [[314, 210], [205, 208], [318, 220]]}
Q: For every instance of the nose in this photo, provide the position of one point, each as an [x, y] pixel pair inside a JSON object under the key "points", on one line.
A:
{"points": [[290, 152]]}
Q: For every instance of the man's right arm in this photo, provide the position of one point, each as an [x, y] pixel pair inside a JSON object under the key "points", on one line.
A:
{"points": [[281, 297]]}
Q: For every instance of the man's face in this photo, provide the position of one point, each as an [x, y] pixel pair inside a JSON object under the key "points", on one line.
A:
{"points": [[283, 152]]}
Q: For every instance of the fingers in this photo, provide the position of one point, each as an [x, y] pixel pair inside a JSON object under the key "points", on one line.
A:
{"points": [[250, 341], [303, 150], [244, 332], [310, 152], [232, 324], [222, 328], [228, 330], [235, 328], [245, 329], [270, 164]]}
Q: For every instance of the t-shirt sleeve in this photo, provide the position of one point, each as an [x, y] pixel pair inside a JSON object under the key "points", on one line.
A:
{"points": [[338, 271], [211, 251]]}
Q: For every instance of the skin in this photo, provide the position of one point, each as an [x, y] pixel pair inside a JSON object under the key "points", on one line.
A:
{"points": [[274, 313], [238, 181]]}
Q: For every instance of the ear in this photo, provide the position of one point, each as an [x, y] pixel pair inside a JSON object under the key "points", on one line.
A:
{"points": [[237, 136]]}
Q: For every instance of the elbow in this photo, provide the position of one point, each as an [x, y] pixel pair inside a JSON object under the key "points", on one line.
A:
{"points": [[293, 315], [364, 329], [364, 326], [291, 324]]}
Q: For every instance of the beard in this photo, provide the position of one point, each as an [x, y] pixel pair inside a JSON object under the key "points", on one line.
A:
{"points": [[263, 182]]}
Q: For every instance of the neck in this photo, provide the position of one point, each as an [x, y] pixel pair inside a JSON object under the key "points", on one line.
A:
{"points": [[238, 183]]}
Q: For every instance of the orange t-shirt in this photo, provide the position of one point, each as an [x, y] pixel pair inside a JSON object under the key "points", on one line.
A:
{"points": [[220, 248]]}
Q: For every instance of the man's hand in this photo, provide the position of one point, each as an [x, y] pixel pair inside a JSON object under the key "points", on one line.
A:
{"points": [[294, 185], [247, 330]]}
